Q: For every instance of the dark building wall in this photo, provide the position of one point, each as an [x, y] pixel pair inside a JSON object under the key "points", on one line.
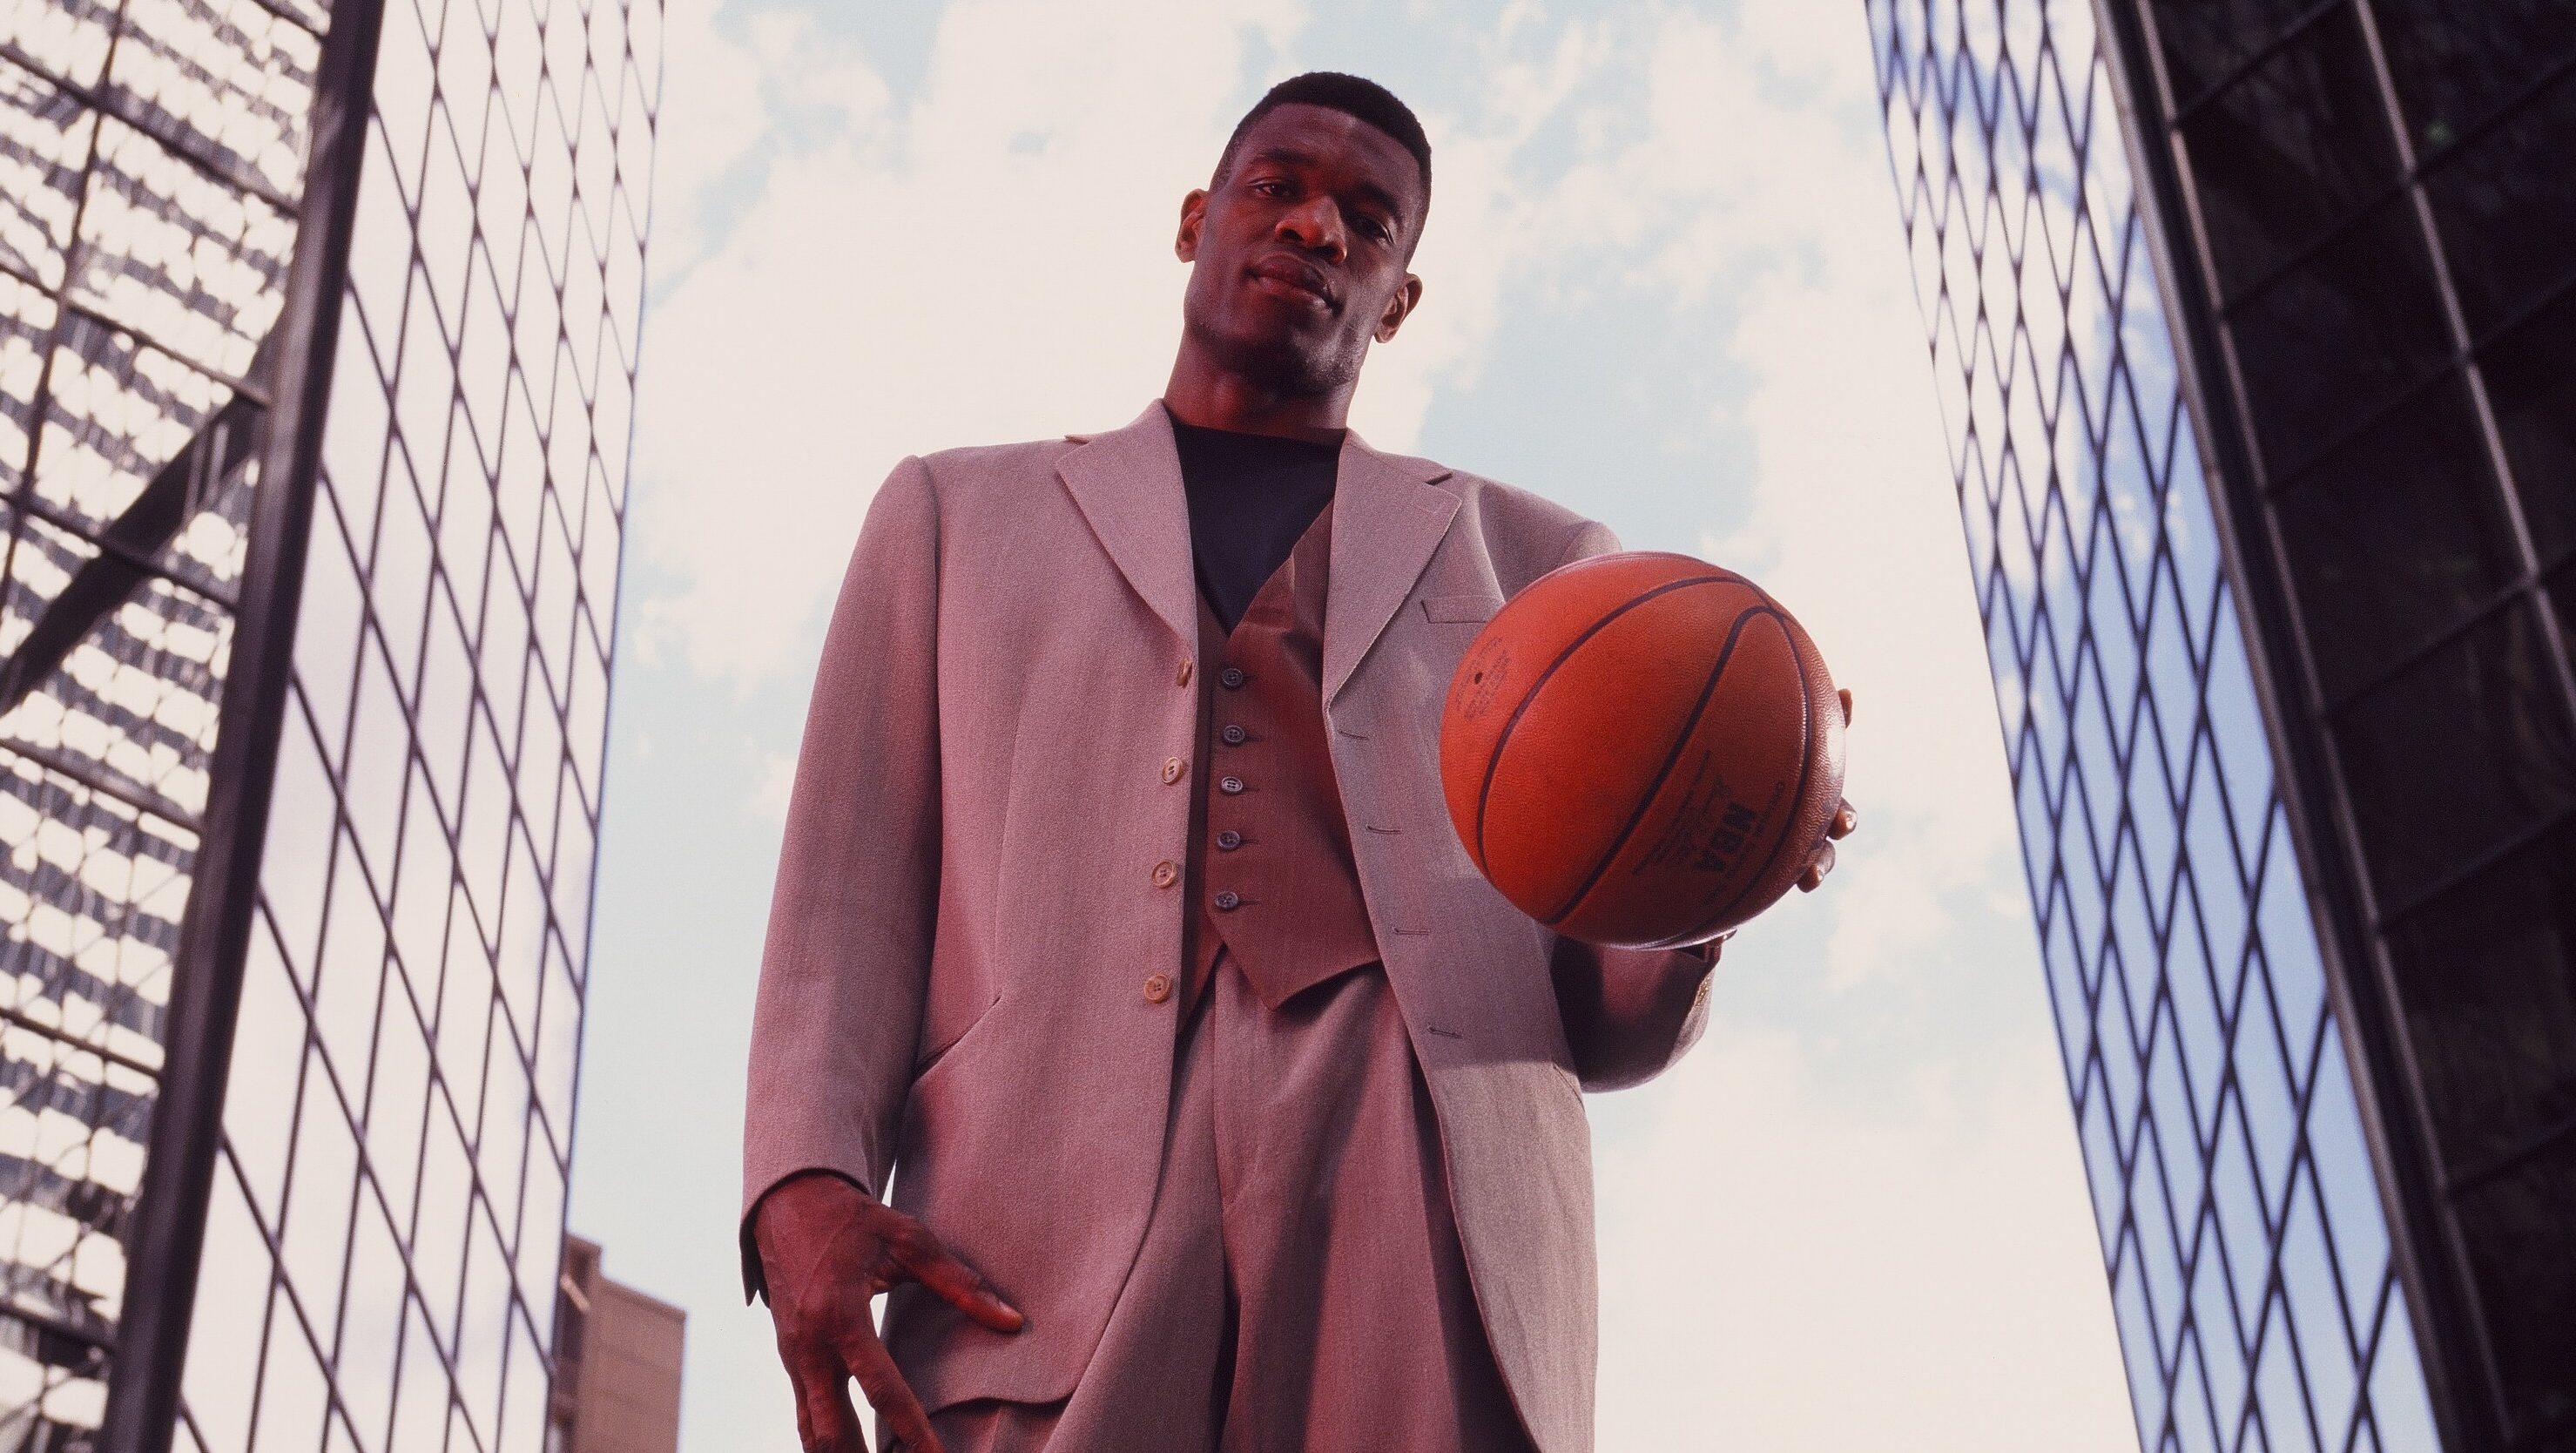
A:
{"points": [[2367, 208]]}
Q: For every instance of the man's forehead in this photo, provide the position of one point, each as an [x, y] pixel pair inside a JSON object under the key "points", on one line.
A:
{"points": [[1304, 133]]}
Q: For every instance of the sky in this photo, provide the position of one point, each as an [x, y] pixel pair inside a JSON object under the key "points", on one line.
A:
{"points": [[1665, 286]]}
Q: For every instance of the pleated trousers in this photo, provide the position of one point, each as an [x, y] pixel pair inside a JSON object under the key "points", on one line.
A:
{"points": [[1300, 1286]]}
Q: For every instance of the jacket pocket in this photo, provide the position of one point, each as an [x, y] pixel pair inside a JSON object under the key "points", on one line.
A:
{"points": [[1460, 609], [931, 1057]]}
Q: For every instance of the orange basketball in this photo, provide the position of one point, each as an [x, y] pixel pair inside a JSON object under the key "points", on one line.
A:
{"points": [[1642, 750]]}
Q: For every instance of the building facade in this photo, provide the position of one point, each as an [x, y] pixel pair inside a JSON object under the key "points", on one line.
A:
{"points": [[617, 1355], [318, 334], [2253, 328]]}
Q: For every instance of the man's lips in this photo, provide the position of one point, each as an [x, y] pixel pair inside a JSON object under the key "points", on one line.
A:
{"points": [[1289, 275]]}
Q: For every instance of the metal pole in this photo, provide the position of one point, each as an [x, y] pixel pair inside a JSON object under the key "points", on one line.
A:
{"points": [[166, 1242]]}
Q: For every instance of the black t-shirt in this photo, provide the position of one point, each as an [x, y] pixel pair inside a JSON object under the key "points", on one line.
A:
{"points": [[1251, 497]]}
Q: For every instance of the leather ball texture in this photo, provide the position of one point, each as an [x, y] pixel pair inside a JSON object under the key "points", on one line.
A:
{"points": [[1642, 750]]}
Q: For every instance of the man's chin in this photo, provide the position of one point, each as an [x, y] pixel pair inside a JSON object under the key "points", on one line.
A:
{"points": [[1289, 368]]}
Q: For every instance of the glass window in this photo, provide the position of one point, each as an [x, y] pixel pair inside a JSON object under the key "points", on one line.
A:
{"points": [[2562, 594], [483, 1327], [2204, 41], [2396, 538], [327, 622], [268, 1058], [398, 1103], [352, 975], [297, 851], [523, 1410], [2490, 1007], [314, 1237], [420, 1397], [398, 582], [379, 751], [2398, 1403], [2456, 755], [2455, 64], [2516, 1229], [2312, 1293], [2341, 336], [2507, 209], [369, 1322], [2347, 1185], [2290, 151], [222, 1338], [2531, 383]]}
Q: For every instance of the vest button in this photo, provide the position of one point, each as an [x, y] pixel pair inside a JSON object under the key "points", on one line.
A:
{"points": [[1229, 785], [1228, 901], [1229, 840], [1165, 874], [1173, 767], [1233, 735], [1158, 987], [1231, 677]]}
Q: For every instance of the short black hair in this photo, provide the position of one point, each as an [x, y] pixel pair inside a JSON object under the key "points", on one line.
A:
{"points": [[1351, 95]]}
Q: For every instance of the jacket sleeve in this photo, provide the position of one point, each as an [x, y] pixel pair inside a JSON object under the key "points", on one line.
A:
{"points": [[846, 962], [1629, 1013]]}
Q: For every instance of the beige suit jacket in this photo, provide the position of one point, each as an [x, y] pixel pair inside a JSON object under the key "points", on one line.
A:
{"points": [[996, 758]]}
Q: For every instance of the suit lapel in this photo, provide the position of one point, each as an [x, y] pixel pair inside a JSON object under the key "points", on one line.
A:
{"points": [[1127, 483], [1388, 516]]}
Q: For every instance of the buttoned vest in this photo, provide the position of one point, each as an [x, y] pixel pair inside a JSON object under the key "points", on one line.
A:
{"points": [[1270, 850]]}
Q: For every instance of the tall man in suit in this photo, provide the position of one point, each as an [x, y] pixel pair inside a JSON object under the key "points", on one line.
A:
{"points": [[1120, 925]]}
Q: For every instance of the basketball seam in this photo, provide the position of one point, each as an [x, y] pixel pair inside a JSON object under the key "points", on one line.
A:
{"points": [[1806, 769], [1502, 739], [1681, 743]]}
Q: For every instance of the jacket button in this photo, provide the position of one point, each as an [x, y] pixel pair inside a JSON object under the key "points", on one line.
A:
{"points": [[1232, 677], [1229, 785], [1183, 675], [1165, 874], [1233, 735], [1158, 987], [1228, 901], [1229, 840], [1173, 767]]}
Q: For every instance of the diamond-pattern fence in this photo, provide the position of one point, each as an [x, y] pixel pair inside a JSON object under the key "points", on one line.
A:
{"points": [[2239, 1213], [381, 1245], [386, 1228], [2370, 211]]}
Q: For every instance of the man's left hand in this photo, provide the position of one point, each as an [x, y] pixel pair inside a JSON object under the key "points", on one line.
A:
{"points": [[1844, 821]]}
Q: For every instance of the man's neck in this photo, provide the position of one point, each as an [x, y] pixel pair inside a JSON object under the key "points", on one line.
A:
{"points": [[1205, 395]]}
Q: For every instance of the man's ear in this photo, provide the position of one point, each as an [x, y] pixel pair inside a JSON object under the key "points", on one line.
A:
{"points": [[1193, 216], [1399, 308]]}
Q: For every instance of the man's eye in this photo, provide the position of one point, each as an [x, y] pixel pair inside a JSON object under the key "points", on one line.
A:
{"points": [[1269, 188], [1376, 231]]}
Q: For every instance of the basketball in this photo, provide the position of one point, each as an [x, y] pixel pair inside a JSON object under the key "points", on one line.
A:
{"points": [[1642, 750]]}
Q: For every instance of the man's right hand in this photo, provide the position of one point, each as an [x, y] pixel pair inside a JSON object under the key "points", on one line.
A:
{"points": [[827, 1250]]}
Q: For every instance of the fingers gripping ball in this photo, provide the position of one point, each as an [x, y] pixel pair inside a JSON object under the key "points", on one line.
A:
{"points": [[1642, 750]]}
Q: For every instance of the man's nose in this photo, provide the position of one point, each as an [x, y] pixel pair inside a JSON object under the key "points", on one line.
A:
{"points": [[1315, 225]]}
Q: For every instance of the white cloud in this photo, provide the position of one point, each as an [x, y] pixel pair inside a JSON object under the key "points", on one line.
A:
{"points": [[1791, 1272], [777, 787], [990, 259]]}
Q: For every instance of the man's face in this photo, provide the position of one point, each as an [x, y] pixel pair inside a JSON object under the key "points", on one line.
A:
{"points": [[1298, 250]]}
